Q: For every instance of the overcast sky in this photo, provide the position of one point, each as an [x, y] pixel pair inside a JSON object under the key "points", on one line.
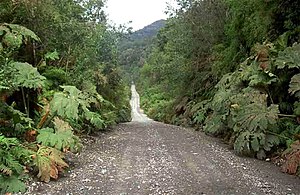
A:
{"points": [[140, 12]]}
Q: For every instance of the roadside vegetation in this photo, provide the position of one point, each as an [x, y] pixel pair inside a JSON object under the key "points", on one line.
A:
{"points": [[228, 67], [232, 69], [59, 80]]}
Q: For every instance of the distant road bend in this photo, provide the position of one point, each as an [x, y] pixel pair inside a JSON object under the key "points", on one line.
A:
{"points": [[144, 157], [136, 113]]}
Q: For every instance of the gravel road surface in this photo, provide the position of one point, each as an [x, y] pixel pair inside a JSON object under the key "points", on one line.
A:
{"points": [[145, 157]]}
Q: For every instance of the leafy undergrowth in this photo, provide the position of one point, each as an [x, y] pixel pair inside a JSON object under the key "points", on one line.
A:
{"points": [[42, 115], [292, 159], [255, 109]]}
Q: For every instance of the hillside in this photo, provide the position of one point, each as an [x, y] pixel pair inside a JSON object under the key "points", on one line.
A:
{"points": [[148, 31], [134, 48]]}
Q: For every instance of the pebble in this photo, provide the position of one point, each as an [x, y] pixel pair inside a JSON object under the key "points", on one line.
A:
{"points": [[103, 171]]}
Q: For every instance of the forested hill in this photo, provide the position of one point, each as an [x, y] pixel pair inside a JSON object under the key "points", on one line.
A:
{"points": [[134, 48], [148, 31]]}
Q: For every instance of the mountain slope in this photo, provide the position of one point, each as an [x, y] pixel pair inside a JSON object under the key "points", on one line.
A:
{"points": [[148, 31], [135, 47]]}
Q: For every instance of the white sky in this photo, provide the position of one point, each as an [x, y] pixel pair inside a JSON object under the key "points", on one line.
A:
{"points": [[140, 12]]}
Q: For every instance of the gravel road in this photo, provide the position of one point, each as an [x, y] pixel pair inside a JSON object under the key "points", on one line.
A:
{"points": [[145, 157]]}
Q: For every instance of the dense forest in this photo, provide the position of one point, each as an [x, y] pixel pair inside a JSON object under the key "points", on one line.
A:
{"points": [[232, 69], [59, 80]]}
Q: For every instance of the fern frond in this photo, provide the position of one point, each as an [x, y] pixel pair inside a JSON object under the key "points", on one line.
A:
{"points": [[13, 164], [18, 116], [5, 170], [12, 159]]}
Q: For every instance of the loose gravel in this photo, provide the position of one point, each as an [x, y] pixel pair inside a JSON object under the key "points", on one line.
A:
{"points": [[154, 158], [144, 157]]}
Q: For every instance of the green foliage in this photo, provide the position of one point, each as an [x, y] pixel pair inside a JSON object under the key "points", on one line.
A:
{"points": [[199, 112], [134, 48], [10, 164], [49, 163], [240, 108], [251, 123], [231, 67], [297, 108], [52, 55], [295, 85], [27, 76], [25, 32], [83, 51], [16, 74], [156, 104], [61, 137], [95, 119], [290, 57], [13, 35], [66, 103], [11, 184], [199, 118], [13, 157], [248, 142], [214, 124], [18, 117], [55, 77], [255, 117], [288, 129], [73, 103]]}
